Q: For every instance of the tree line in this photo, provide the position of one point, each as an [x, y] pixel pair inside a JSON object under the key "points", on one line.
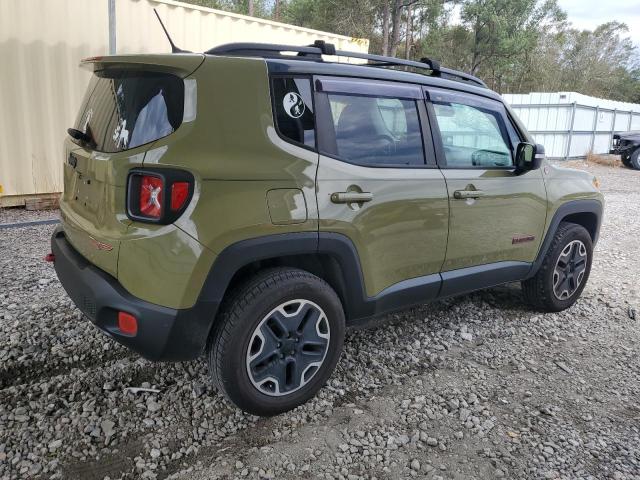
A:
{"points": [[515, 46]]}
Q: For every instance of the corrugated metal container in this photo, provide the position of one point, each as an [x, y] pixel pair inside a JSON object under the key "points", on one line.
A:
{"points": [[41, 43], [570, 124], [198, 28], [41, 86]]}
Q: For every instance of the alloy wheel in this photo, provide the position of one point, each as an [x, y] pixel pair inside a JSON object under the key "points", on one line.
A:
{"points": [[288, 347], [570, 269]]}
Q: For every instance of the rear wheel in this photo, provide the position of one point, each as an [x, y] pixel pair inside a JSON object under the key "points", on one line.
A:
{"points": [[564, 271], [277, 341]]}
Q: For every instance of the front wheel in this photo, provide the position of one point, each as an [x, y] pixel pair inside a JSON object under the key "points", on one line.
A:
{"points": [[277, 341], [564, 271]]}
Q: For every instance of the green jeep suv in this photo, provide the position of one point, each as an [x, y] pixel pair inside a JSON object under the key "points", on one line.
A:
{"points": [[247, 204]]}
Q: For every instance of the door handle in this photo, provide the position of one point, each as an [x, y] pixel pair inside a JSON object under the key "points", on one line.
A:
{"points": [[462, 194], [351, 197]]}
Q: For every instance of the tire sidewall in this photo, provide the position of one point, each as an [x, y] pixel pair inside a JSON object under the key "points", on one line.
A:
{"points": [[634, 159], [234, 371], [575, 233]]}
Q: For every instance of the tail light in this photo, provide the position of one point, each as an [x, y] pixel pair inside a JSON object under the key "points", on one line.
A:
{"points": [[151, 193], [158, 195]]}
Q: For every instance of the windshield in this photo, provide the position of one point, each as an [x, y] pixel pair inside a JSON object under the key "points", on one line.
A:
{"points": [[124, 109]]}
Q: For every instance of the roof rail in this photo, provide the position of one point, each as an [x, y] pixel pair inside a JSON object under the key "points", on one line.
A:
{"points": [[320, 47]]}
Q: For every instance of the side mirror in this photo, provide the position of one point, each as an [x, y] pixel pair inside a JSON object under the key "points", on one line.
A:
{"points": [[528, 157]]}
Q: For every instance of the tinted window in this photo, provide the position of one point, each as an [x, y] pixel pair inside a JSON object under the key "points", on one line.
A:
{"points": [[376, 131], [128, 109], [472, 135], [293, 107]]}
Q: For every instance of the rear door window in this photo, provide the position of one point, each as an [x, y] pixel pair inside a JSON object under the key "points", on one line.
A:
{"points": [[129, 109], [378, 131]]}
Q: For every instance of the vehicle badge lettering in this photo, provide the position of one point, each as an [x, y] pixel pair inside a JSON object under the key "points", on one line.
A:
{"points": [[522, 239], [101, 245]]}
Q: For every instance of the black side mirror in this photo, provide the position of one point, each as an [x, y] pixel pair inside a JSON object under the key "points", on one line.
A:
{"points": [[528, 157]]}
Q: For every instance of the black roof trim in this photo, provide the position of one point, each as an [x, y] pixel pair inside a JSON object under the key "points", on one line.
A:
{"points": [[314, 53]]}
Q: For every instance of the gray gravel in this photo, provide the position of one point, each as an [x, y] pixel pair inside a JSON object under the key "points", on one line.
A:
{"points": [[474, 387], [15, 215]]}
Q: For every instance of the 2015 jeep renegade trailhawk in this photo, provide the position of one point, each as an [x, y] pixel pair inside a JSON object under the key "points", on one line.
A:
{"points": [[248, 204]]}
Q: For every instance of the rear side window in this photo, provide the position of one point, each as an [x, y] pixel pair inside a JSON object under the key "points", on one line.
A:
{"points": [[124, 109], [293, 109], [376, 130]]}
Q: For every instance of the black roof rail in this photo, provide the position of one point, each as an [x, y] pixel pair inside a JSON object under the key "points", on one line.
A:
{"points": [[320, 47]]}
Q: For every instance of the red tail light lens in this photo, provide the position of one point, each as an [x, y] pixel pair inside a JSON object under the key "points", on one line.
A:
{"points": [[179, 195], [158, 195], [151, 196]]}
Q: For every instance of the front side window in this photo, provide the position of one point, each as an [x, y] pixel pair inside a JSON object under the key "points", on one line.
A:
{"points": [[376, 130], [293, 108], [472, 136]]}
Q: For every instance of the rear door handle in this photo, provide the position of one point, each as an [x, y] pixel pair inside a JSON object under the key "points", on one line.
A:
{"points": [[351, 197], [462, 194]]}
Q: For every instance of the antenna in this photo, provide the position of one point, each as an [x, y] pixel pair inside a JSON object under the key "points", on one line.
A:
{"points": [[174, 49]]}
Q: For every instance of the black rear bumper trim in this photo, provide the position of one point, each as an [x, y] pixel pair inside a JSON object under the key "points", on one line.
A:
{"points": [[164, 334]]}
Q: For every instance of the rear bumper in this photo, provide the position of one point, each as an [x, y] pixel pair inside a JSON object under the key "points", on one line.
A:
{"points": [[164, 334]]}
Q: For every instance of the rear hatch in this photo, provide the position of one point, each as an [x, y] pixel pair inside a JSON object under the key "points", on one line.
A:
{"points": [[131, 102]]}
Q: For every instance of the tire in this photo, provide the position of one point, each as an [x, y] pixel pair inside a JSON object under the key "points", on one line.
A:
{"points": [[252, 360], [634, 159], [541, 291]]}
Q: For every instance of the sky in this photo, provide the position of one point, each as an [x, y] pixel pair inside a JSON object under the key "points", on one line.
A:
{"points": [[588, 14]]}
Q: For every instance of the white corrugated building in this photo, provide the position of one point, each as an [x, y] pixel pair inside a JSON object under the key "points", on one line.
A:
{"points": [[570, 124]]}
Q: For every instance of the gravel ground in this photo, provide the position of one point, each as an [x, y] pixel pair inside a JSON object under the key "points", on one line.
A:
{"points": [[473, 387], [15, 215]]}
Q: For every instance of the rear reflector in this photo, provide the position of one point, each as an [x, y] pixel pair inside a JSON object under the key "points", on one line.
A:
{"points": [[179, 194], [151, 196], [127, 323], [49, 257]]}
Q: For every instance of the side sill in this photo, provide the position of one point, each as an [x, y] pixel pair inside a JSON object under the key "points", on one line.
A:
{"points": [[406, 294], [465, 280]]}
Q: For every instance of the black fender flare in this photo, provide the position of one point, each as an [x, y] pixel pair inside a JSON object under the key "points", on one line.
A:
{"points": [[572, 207], [351, 285], [245, 252]]}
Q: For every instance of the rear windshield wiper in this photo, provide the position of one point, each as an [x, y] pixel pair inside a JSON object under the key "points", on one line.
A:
{"points": [[79, 135]]}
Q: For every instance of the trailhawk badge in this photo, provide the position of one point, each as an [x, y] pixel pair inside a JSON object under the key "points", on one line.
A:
{"points": [[293, 105]]}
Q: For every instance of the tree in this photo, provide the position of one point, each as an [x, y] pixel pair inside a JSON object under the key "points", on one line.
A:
{"points": [[513, 45], [502, 31]]}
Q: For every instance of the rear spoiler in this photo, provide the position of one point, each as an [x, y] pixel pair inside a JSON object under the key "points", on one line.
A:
{"points": [[182, 64]]}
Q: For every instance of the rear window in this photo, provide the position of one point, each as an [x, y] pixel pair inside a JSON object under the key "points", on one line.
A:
{"points": [[124, 109]]}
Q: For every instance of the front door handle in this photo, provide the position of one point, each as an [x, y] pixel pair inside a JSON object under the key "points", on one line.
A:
{"points": [[462, 194], [351, 197]]}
